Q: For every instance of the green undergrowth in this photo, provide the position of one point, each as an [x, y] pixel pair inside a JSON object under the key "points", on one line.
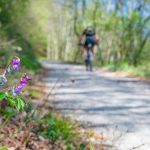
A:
{"points": [[58, 128], [3, 148], [29, 60], [142, 70], [16, 45], [54, 126]]}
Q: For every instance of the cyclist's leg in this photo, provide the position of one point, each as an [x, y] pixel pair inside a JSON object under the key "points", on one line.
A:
{"points": [[91, 63], [87, 65], [91, 58], [86, 59]]}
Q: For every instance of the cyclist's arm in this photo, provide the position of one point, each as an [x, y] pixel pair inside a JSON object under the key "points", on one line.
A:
{"points": [[82, 36], [97, 39]]}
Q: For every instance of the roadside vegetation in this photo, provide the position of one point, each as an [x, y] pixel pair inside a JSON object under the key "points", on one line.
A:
{"points": [[25, 124], [32, 30]]}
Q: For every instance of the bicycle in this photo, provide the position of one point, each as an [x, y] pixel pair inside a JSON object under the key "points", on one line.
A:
{"points": [[88, 56]]}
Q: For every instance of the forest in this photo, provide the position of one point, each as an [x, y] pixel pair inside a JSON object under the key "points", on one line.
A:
{"points": [[51, 29]]}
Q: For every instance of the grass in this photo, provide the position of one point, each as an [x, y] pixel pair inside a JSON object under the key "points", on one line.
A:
{"points": [[54, 126], [3, 148], [34, 94], [58, 128], [142, 70]]}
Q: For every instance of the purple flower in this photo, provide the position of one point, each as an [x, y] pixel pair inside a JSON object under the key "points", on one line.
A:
{"points": [[16, 63], [17, 90], [24, 80]]}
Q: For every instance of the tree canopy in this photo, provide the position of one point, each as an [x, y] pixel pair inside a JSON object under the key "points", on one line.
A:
{"points": [[51, 28]]}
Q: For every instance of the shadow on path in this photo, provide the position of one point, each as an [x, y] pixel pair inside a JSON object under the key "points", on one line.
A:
{"points": [[102, 102]]}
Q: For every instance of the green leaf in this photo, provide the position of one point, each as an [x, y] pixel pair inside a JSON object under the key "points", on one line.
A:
{"points": [[91, 146], [19, 104], [11, 101], [22, 103], [82, 146], [2, 95], [3, 148], [9, 112]]}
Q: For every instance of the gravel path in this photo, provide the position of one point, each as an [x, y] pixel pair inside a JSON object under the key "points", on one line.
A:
{"points": [[118, 107]]}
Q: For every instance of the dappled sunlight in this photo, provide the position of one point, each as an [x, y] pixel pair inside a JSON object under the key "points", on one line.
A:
{"points": [[102, 102], [89, 61]]}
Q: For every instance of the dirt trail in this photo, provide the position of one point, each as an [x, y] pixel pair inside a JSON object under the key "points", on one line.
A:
{"points": [[117, 106]]}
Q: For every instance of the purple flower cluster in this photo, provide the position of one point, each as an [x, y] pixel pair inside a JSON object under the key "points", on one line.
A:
{"points": [[22, 83], [14, 66]]}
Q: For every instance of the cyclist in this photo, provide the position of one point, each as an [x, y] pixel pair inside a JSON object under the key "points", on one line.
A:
{"points": [[89, 39]]}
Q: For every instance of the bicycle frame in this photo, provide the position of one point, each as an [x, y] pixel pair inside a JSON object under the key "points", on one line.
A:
{"points": [[88, 60]]}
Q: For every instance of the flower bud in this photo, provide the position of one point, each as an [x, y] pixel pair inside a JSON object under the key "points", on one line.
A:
{"points": [[3, 80], [8, 71], [16, 63]]}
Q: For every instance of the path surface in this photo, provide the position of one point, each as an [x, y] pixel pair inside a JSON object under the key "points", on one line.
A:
{"points": [[118, 107]]}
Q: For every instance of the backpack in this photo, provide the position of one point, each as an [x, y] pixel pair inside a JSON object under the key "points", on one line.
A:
{"points": [[90, 36]]}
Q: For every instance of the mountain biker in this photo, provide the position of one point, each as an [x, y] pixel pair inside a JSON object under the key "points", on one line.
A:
{"points": [[89, 39]]}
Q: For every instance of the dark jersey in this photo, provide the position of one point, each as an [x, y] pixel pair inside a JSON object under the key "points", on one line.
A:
{"points": [[89, 37]]}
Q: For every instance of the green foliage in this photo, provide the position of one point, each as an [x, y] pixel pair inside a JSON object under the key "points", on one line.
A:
{"points": [[124, 30], [27, 55], [11, 99], [11, 105], [59, 128], [91, 146], [3, 148], [13, 39], [142, 70], [2, 96]]}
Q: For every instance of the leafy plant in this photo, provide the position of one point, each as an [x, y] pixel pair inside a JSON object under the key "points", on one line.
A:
{"points": [[57, 128], [11, 99]]}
